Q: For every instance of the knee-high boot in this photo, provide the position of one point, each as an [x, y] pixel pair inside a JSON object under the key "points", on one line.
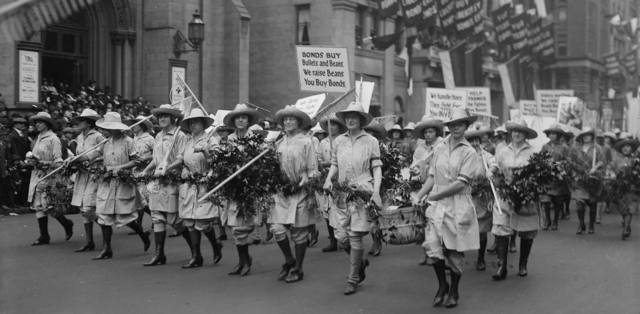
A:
{"points": [[215, 245], [443, 285], [106, 252], [333, 243], [67, 225], [289, 261], [525, 249], [88, 232], [593, 212], [502, 247], [581, 225], [144, 236], [454, 295], [557, 208], [297, 274], [480, 264], [626, 226], [512, 243], [43, 227], [196, 255], [159, 258], [547, 215]]}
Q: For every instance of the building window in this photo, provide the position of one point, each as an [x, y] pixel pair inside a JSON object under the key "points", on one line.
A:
{"points": [[303, 21], [561, 45], [361, 15]]}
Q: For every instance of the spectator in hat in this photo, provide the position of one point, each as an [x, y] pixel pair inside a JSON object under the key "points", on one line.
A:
{"points": [[20, 144]]}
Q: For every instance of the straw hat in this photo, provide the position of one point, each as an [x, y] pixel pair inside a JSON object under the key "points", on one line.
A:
{"points": [[477, 131], [147, 122], [239, 110], [586, 131], [196, 113], [166, 109], [428, 123], [521, 127], [356, 107], [461, 115], [44, 117], [377, 130], [610, 135], [88, 114], [626, 142], [501, 129], [410, 127], [18, 120], [111, 121], [317, 129], [292, 111], [555, 128], [396, 128], [324, 123]]}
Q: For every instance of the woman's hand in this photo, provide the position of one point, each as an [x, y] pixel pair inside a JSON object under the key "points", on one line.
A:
{"points": [[376, 199], [328, 185]]}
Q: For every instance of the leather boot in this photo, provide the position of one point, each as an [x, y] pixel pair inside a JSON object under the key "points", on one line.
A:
{"points": [[547, 216], [626, 226], [43, 227], [215, 245], [237, 270], [376, 246], [452, 300], [187, 238], [556, 216], [297, 274], [502, 244], [290, 263], [196, 255], [581, 226], [88, 232], [333, 243], [355, 270], [480, 264], [144, 236], [223, 233], [492, 249], [67, 225], [159, 258], [525, 249], [247, 260], [314, 234], [512, 243], [106, 252], [593, 212], [443, 285]]}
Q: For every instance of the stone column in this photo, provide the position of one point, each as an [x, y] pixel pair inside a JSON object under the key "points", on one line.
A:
{"points": [[118, 43]]}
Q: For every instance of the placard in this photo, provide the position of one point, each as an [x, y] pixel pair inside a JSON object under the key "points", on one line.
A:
{"points": [[441, 101], [177, 88], [28, 76], [386, 121], [529, 107], [548, 100], [311, 104], [478, 100], [570, 110], [323, 69], [364, 93], [219, 117]]}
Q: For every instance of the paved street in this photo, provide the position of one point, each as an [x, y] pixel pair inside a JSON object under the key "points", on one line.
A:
{"points": [[567, 274]]}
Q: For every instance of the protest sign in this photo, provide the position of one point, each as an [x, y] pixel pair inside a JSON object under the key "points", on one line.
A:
{"points": [[548, 100], [219, 118], [386, 121], [529, 107], [323, 69], [364, 92], [440, 102], [570, 111], [478, 100], [311, 104], [514, 115]]}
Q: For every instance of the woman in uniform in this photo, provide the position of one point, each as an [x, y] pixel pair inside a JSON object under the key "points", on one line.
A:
{"points": [[294, 213], [630, 200], [198, 217], [525, 221], [116, 203], [356, 161], [45, 155], [557, 191], [143, 144], [590, 157], [452, 225]]}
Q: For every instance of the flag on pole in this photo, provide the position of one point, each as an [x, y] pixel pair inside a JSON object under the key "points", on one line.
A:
{"points": [[338, 104], [188, 101]]}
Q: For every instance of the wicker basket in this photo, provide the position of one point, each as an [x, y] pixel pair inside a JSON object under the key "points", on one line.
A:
{"points": [[402, 225]]}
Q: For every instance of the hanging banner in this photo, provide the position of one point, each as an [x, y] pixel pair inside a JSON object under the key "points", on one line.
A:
{"points": [[529, 107], [502, 24], [612, 63], [478, 100], [178, 91], [570, 111], [447, 69], [468, 18], [534, 34], [548, 100], [440, 102], [507, 86], [412, 10], [630, 61], [447, 15], [311, 104], [364, 93], [633, 116], [546, 49], [323, 69], [388, 8], [28, 76], [518, 34], [429, 16]]}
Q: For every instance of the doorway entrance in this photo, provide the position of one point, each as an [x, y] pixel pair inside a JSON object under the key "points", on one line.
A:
{"points": [[64, 54]]}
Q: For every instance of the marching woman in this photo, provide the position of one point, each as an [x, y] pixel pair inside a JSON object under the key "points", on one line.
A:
{"points": [[198, 217], [626, 148], [525, 221], [483, 206], [590, 157], [334, 128], [557, 191], [163, 194], [356, 161], [85, 188], [45, 154], [116, 203], [240, 118], [294, 213], [452, 225], [143, 144], [429, 134]]}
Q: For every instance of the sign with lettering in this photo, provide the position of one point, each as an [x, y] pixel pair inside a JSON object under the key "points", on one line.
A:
{"points": [[28, 76], [441, 101], [311, 104], [323, 69], [529, 107], [548, 100], [478, 100]]}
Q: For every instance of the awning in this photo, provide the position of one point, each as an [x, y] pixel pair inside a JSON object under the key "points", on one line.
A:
{"points": [[20, 18]]}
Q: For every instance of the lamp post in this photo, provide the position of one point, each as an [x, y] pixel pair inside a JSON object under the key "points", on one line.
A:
{"points": [[195, 36]]}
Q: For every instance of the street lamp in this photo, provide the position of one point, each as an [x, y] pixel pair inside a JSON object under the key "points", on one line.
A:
{"points": [[195, 36]]}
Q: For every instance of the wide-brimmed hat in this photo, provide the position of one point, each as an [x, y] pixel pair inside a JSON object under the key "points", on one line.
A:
{"points": [[586, 131], [18, 120], [355, 107], [410, 127], [292, 111], [610, 135], [555, 128], [630, 142], [501, 129], [477, 131], [428, 122], [377, 130], [521, 127], [396, 128], [461, 115], [239, 110], [146, 122], [166, 109], [88, 114], [44, 117], [196, 113], [111, 121], [324, 123]]}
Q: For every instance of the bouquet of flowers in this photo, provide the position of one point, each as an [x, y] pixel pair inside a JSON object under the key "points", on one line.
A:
{"points": [[481, 189], [627, 180], [351, 194]]}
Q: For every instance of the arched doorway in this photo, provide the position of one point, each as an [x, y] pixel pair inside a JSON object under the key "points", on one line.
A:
{"points": [[65, 51]]}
